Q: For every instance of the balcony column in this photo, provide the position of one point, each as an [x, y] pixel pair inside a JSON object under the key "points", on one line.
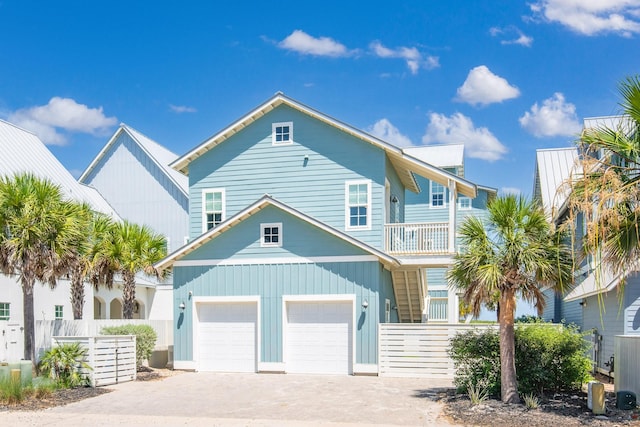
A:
{"points": [[453, 206]]}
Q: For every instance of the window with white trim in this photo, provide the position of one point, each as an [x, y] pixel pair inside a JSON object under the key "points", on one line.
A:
{"points": [[213, 209], [282, 133], [59, 311], [464, 202], [358, 205], [5, 310], [271, 235], [437, 195], [387, 310], [438, 305]]}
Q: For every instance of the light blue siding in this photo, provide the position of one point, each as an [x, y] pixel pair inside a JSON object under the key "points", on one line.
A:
{"points": [[248, 166], [632, 304], [396, 210], [140, 191], [606, 316]]}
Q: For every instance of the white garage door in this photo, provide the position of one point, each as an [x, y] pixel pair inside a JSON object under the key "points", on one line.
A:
{"points": [[319, 337], [227, 337]]}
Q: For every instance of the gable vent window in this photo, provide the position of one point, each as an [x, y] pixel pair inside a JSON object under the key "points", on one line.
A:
{"points": [[271, 235], [282, 133]]}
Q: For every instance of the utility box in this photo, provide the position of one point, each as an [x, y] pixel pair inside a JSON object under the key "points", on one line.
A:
{"points": [[595, 397], [625, 400]]}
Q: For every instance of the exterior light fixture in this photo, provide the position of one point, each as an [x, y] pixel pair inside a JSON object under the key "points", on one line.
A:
{"points": [[182, 306], [394, 199], [365, 304]]}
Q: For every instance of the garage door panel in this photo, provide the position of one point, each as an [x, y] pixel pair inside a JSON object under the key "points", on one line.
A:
{"points": [[227, 337], [319, 336]]}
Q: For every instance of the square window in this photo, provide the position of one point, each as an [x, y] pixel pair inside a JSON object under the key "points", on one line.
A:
{"points": [[213, 208], [271, 235], [59, 311], [5, 311], [358, 205], [282, 133]]}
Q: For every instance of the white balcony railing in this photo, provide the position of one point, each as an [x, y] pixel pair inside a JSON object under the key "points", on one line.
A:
{"points": [[416, 238]]}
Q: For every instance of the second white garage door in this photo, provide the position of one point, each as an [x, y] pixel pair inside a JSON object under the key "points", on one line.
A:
{"points": [[318, 337], [227, 337]]}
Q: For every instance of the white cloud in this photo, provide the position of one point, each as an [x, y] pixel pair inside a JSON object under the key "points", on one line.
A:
{"points": [[411, 55], [386, 131], [483, 87], [591, 17], [303, 43], [182, 109], [514, 36], [479, 143], [510, 190], [61, 114], [554, 118]]}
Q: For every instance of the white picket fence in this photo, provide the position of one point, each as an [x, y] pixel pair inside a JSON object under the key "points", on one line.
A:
{"points": [[112, 358], [47, 329], [418, 349]]}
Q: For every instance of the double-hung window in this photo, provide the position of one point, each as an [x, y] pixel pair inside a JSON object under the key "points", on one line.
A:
{"points": [[59, 311], [5, 310], [282, 133], [438, 305], [358, 205], [213, 209], [437, 195]]}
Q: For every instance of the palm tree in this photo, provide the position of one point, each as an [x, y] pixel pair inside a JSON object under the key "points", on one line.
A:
{"points": [[38, 229], [514, 253], [607, 192], [135, 249]]}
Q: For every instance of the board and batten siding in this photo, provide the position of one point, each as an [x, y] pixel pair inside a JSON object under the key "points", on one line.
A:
{"points": [[140, 191], [396, 210], [248, 166], [270, 282], [607, 318]]}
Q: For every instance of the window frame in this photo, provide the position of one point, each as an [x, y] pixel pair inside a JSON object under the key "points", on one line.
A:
{"points": [[223, 212], [439, 299], [277, 225], [432, 193], [461, 206], [347, 205], [274, 126], [5, 310], [58, 312]]}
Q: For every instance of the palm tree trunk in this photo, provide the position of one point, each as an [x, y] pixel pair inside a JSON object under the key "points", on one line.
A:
{"points": [[128, 294], [77, 293], [508, 383], [29, 322]]}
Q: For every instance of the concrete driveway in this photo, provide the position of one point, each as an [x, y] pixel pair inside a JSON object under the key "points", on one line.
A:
{"points": [[251, 400]]}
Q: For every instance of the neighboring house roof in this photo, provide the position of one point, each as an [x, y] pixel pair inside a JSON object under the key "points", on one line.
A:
{"points": [[442, 156], [22, 151], [554, 167], [620, 123], [263, 202], [406, 164], [156, 152], [598, 281]]}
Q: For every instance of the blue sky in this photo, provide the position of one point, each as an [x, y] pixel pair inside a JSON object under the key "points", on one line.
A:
{"points": [[503, 77]]}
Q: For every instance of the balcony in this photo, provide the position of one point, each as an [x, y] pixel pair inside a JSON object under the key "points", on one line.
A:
{"points": [[406, 239]]}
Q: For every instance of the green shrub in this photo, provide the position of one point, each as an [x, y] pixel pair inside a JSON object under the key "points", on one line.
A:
{"points": [[65, 365], [548, 358], [145, 339], [11, 391]]}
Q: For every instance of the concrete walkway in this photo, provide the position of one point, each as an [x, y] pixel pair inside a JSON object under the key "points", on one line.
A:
{"points": [[196, 399]]}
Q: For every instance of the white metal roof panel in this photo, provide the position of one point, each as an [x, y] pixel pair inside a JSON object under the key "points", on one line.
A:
{"points": [[22, 152], [553, 169], [441, 156]]}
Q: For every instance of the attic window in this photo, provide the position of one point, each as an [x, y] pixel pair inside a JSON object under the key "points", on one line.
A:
{"points": [[271, 235], [282, 133]]}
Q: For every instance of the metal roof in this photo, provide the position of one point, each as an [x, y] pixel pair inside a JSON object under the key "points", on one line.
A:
{"points": [[620, 123], [161, 156], [554, 167], [442, 156], [23, 152], [405, 164]]}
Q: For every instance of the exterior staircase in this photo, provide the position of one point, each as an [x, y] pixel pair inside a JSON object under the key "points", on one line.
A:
{"points": [[410, 291]]}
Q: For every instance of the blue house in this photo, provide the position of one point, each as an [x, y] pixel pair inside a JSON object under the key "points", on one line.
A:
{"points": [[305, 234]]}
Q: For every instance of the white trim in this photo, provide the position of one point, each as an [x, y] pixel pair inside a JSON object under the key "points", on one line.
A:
{"points": [[271, 367], [274, 260], [444, 193], [222, 300], [203, 209], [184, 365], [277, 225], [347, 215], [320, 298], [365, 369], [273, 133]]}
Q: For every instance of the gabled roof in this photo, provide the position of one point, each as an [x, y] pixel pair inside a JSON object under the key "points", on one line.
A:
{"points": [[442, 156], [620, 123], [554, 168], [405, 164], [262, 203], [156, 152], [22, 151]]}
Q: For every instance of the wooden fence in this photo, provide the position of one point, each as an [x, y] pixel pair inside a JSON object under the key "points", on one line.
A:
{"points": [[112, 358]]}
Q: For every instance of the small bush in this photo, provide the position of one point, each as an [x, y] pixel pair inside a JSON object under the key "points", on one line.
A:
{"points": [[548, 358], [65, 364], [478, 393], [531, 401], [11, 391], [145, 339]]}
